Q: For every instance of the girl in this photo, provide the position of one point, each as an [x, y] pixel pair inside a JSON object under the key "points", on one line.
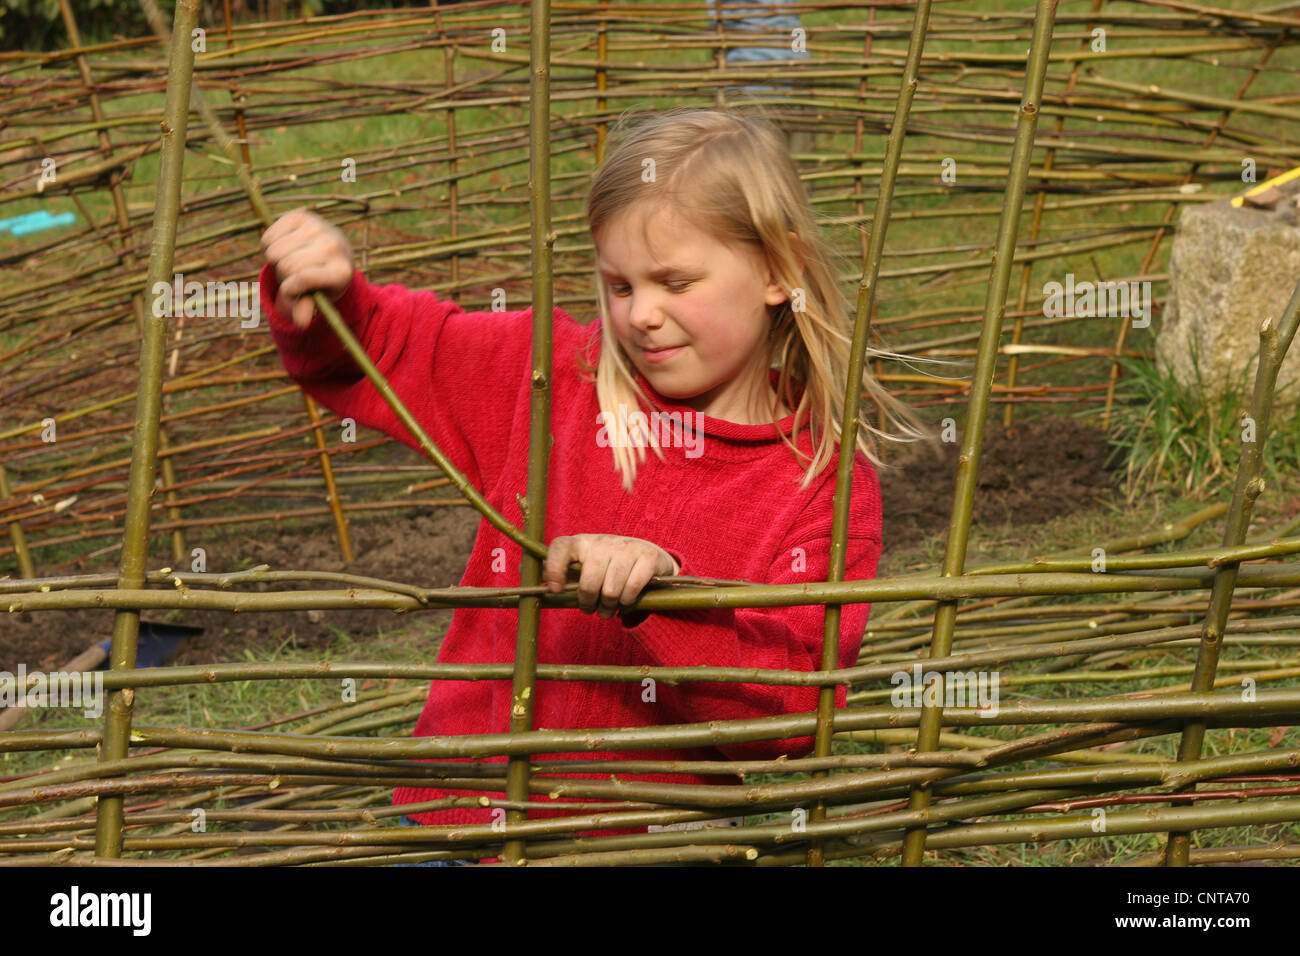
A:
{"points": [[710, 271]]}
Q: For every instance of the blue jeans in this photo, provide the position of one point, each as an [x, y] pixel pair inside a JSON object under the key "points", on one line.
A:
{"points": [[753, 19], [408, 822]]}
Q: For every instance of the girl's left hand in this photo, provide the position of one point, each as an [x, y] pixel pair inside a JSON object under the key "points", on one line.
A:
{"points": [[615, 569]]}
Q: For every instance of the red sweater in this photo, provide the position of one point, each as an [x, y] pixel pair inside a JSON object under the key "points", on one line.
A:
{"points": [[735, 511]]}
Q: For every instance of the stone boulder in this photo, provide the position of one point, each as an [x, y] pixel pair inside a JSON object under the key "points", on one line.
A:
{"points": [[1231, 267]]}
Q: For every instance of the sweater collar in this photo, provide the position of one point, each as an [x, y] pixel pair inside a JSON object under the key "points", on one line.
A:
{"points": [[720, 427]]}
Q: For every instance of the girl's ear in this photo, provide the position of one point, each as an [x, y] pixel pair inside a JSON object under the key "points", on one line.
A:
{"points": [[775, 294]]}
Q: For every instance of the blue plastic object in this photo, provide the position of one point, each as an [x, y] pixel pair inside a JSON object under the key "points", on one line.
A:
{"points": [[157, 642], [31, 222]]}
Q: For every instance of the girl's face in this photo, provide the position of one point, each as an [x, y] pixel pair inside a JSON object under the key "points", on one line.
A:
{"points": [[691, 312]]}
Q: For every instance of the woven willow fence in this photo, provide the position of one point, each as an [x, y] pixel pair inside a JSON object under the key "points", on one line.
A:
{"points": [[1068, 769]]}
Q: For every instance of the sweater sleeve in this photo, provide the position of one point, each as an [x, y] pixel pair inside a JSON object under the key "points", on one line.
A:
{"points": [[458, 373], [776, 638]]}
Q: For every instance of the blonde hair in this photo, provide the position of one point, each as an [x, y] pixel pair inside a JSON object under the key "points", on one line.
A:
{"points": [[730, 174]]}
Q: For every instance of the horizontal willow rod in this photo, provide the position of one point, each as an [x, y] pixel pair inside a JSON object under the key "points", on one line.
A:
{"points": [[781, 831], [281, 858], [778, 796], [775, 833], [728, 853], [909, 588], [1253, 813], [244, 519], [423, 774], [1150, 820], [1279, 851], [340, 814], [1268, 705], [1047, 744], [262, 573], [156, 783], [1138, 774], [455, 834], [778, 833], [1209, 557], [853, 825], [211, 673], [383, 835], [235, 761]]}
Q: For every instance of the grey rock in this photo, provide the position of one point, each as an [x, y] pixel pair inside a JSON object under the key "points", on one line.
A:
{"points": [[1230, 268]]}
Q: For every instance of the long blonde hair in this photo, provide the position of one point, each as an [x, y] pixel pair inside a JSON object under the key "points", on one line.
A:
{"points": [[730, 174]]}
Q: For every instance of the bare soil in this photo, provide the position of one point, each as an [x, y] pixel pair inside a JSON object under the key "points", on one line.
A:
{"points": [[1038, 471]]}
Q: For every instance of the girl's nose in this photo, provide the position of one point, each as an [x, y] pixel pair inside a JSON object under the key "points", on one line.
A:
{"points": [[645, 313]]}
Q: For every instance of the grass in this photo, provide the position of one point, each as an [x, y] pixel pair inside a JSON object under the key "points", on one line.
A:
{"points": [[1189, 438], [235, 704]]}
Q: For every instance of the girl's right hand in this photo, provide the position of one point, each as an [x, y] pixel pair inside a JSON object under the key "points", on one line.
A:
{"points": [[308, 254]]}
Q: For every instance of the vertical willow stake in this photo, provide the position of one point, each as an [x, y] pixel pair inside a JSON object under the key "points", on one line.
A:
{"points": [[985, 364], [602, 84], [539, 425], [1274, 340], [332, 495], [25, 567], [148, 411], [853, 391]]}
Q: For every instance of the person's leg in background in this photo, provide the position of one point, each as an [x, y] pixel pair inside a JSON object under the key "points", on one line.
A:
{"points": [[775, 18]]}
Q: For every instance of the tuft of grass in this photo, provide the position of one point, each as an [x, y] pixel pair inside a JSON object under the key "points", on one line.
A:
{"points": [[1187, 440]]}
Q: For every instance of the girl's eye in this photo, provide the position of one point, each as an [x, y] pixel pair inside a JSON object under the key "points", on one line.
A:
{"points": [[623, 290]]}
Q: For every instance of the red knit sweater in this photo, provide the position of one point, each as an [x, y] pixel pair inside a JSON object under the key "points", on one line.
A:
{"points": [[733, 511]]}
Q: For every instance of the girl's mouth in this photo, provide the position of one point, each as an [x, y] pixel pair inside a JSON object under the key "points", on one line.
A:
{"points": [[661, 355]]}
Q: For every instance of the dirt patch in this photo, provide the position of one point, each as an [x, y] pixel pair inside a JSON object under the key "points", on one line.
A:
{"points": [[1040, 470], [425, 549]]}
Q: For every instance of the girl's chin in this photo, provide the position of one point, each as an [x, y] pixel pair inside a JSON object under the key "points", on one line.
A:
{"points": [[675, 393]]}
